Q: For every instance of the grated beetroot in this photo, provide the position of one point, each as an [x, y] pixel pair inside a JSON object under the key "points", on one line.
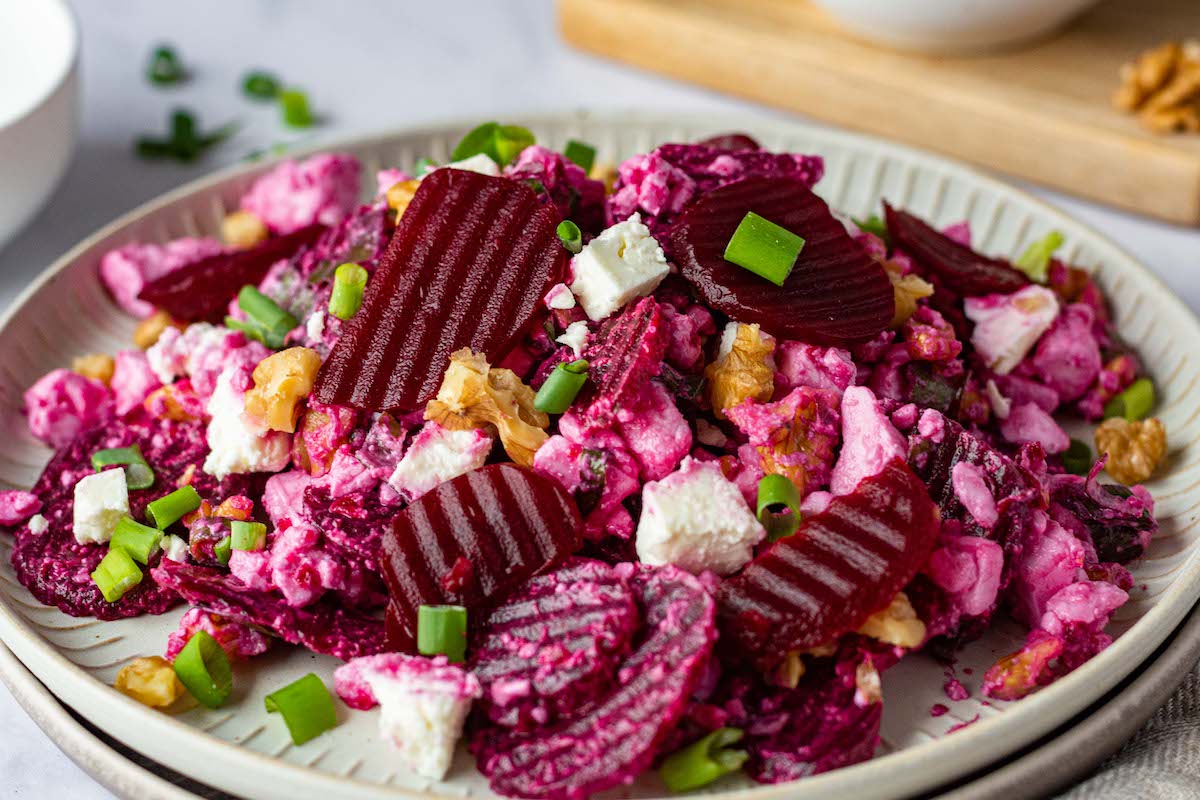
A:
{"points": [[613, 740], [472, 540], [836, 293], [470, 261], [555, 645], [840, 567]]}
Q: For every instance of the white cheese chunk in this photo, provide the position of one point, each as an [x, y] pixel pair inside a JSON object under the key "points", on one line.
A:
{"points": [[559, 297], [437, 455], [100, 502], [175, 548], [574, 337], [481, 163], [315, 327], [1008, 326], [235, 444], [622, 263], [38, 524]]}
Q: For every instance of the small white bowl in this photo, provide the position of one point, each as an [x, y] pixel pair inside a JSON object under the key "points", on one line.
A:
{"points": [[39, 49], [950, 27]]}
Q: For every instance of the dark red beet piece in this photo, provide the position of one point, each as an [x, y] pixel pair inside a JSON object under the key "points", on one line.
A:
{"points": [[470, 261], [615, 739], [472, 541], [201, 291], [836, 294], [840, 567], [958, 267], [732, 141], [322, 627], [555, 645], [626, 352]]}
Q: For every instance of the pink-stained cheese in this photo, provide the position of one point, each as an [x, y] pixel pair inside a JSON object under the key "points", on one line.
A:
{"points": [[323, 188], [63, 404], [127, 269], [870, 441]]}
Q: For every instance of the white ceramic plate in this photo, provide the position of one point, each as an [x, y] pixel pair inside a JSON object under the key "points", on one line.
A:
{"points": [[244, 751]]}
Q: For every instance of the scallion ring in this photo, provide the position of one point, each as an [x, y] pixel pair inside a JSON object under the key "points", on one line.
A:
{"points": [[306, 707], [764, 248], [442, 631], [116, 574], [580, 153], [138, 474], [1134, 403], [260, 85], [570, 236], [165, 68], [247, 535], [138, 540], [170, 508], [778, 506], [293, 104], [203, 668], [349, 284], [561, 387], [703, 761]]}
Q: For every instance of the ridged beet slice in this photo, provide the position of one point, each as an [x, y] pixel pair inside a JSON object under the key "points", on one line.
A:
{"points": [[840, 567], [627, 351], [958, 267], [836, 294], [472, 541], [555, 645], [470, 261], [201, 291], [321, 627], [612, 741]]}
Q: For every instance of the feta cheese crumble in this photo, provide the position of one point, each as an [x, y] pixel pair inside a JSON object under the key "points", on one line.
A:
{"points": [[559, 297], [481, 163], [436, 456], [696, 519], [234, 442], [38, 524], [575, 337], [620, 264], [100, 502], [175, 549], [1008, 326]]}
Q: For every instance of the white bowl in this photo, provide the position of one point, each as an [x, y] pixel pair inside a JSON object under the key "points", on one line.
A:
{"points": [[953, 26], [39, 49]]}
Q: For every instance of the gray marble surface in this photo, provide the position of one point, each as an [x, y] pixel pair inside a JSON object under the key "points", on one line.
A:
{"points": [[368, 65]]}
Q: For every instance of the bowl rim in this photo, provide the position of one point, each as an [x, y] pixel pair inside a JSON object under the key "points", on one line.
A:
{"points": [[69, 66]]}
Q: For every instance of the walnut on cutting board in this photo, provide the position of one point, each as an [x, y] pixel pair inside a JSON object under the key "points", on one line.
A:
{"points": [[1162, 86]]}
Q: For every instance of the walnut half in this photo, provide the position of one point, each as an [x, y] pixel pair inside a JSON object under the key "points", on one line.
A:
{"points": [[1162, 86], [1134, 449]]}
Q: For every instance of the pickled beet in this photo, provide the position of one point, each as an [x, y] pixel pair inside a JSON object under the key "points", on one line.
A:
{"points": [[472, 541], [615, 738], [627, 352], [201, 291], [555, 645], [840, 567], [958, 267], [470, 261]]}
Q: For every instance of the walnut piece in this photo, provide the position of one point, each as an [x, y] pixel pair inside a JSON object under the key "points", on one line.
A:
{"points": [[151, 681], [97, 366], [399, 195], [241, 230], [898, 624], [281, 381], [908, 289], [866, 680], [152, 327], [1134, 449], [473, 395], [747, 370], [1163, 88]]}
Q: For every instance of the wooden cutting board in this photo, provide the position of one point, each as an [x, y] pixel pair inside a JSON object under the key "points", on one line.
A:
{"points": [[1040, 113]]}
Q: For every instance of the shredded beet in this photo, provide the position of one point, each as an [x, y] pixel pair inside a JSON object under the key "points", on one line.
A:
{"points": [[836, 294]]}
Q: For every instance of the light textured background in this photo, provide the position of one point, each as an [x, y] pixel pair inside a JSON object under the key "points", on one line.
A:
{"points": [[368, 65]]}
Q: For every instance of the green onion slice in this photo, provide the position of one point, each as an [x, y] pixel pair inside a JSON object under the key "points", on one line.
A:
{"points": [[702, 762], [247, 535], [260, 85], [293, 103], [1035, 261], [1134, 403], [571, 236], [116, 574], [267, 322], [778, 506], [502, 143], [138, 474], [561, 387], [223, 550], [442, 631], [1078, 458], [165, 68], [306, 706], [873, 224], [580, 153], [138, 540], [170, 508], [349, 283], [203, 668], [764, 248]]}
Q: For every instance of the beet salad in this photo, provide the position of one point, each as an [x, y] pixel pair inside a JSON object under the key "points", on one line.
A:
{"points": [[598, 471]]}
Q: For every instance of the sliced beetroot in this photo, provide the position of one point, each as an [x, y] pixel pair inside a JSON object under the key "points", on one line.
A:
{"points": [[732, 141], [613, 740], [625, 353], [201, 291], [470, 261], [836, 294], [840, 567], [555, 645], [472, 541], [961, 269], [322, 627]]}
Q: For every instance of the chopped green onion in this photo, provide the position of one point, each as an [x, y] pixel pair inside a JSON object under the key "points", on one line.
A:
{"points": [[561, 387], [169, 509], [306, 706], [294, 105], [268, 323], [775, 491], [873, 224], [442, 631], [203, 668], [570, 235], [1078, 458], [1134, 403], [580, 153], [1035, 261], [165, 67], [260, 86], [116, 574], [764, 248], [223, 549], [138, 474], [501, 143], [248, 535], [702, 762], [138, 540], [349, 281], [424, 166]]}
